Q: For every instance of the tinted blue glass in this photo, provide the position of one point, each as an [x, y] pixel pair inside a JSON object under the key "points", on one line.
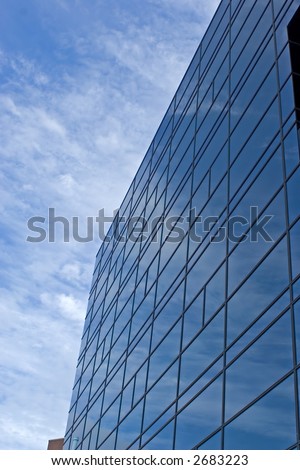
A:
{"points": [[140, 383], [127, 398], [164, 354], [249, 252], [295, 249], [219, 168], [279, 5], [77, 434], [170, 271], [268, 424], [204, 349], [245, 47], [293, 186], [163, 440], [252, 117], [190, 79], [161, 395], [183, 131], [135, 359], [287, 99], [251, 81], [291, 150], [259, 325], [296, 289], [207, 376], [260, 366], [200, 417], [93, 438], [151, 431], [202, 270], [129, 428], [214, 145], [240, 12], [193, 319], [284, 65], [266, 282], [214, 443], [167, 315], [213, 37], [215, 293], [297, 328]]}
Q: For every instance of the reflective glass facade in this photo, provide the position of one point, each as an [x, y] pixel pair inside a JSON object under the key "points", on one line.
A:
{"points": [[192, 333]]}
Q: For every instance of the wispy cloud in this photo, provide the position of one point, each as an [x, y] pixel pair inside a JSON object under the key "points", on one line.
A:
{"points": [[78, 109]]}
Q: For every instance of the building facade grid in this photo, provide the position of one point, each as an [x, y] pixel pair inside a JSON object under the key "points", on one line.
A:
{"points": [[197, 345]]}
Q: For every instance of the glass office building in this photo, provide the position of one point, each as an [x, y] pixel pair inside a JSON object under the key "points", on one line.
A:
{"points": [[192, 333]]}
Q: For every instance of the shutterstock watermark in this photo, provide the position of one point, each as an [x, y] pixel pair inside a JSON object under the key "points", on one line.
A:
{"points": [[237, 228]]}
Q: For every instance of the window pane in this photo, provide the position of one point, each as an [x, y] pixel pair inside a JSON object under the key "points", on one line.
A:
{"points": [[200, 417], [260, 366], [203, 351], [269, 424], [297, 328], [267, 281]]}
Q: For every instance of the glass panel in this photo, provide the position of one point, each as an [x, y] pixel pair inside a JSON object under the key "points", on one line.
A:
{"points": [[293, 187], [240, 12], [201, 417], [214, 146], [246, 47], [185, 132], [158, 424], [214, 34], [137, 355], [296, 289], [219, 168], [161, 395], [215, 293], [168, 315], [193, 319], [269, 424], [204, 267], [107, 424], [259, 325], [291, 150], [267, 281], [190, 79], [209, 376], [130, 428], [255, 73], [284, 65], [172, 268], [214, 443], [297, 328], [248, 252], [259, 366], [287, 99], [165, 353], [77, 434], [295, 249], [163, 440], [278, 5], [93, 415], [93, 439], [140, 383], [183, 166], [127, 399], [204, 350], [242, 142]]}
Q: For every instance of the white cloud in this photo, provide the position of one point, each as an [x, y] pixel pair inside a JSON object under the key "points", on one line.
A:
{"points": [[72, 138]]}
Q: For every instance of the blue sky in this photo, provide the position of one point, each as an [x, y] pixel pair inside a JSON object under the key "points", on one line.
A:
{"points": [[83, 87]]}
